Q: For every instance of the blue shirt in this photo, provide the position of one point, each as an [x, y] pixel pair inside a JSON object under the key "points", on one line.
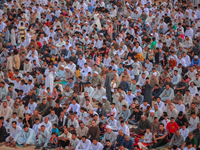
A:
{"points": [[90, 8], [120, 70], [56, 131], [195, 62]]}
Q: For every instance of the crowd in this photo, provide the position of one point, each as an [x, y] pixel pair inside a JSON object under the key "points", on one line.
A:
{"points": [[100, 75]]}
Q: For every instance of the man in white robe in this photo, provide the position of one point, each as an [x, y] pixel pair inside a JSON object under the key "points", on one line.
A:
{"points": [[53, 118], [98, 93], [96, 145], [47, 124], [5, 111], [14, 130], [83, 144], [194, 120], [43, 138], [49, 78], [26, 137]]}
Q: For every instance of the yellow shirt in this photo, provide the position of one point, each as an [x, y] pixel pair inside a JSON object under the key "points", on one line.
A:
{"points": [[78, 73]]}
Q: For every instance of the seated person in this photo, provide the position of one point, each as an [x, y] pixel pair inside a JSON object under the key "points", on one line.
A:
{"points": [[147, 136], [192, 141], [143, 125], [135, 116], [177, 139]]}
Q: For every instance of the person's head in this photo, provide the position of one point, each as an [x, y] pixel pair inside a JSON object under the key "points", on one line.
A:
{"points": [[108, 143], [172, 120], [84, 139], [171, 107], [93, 123], [25, 128], [14, 124], [42, 128], [5, 104], [143, 117], [191, 135], [46, 119], [161, 127], [127, 138]]}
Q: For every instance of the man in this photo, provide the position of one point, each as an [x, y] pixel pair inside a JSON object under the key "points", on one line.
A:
{"points": [[47, 124], [196, 132], [143, 125], [96, 79], [98, 93], [81, 130], [65, 138], [108, 145], [3, 132], [193, 121], [42, 108], [109, 135], [35, 116], [152, 116], [135, 116], [168, 93], [96, 145], [14, 130], [155, 125], [125, 113], [5, 111], [120, 138], [172, 112], [125, 84], [189, 146], [106, 104], [187, 98], [177, 139], [93, 132], [83, 144], [127, 143], [53, 118], [160, 137], [158, 111], [124, 127], [101, 110], [129, 97], [108, 80], [172, 126], [25, 137], [3, 90], [43, 137], [191, 139], [160, 104]]}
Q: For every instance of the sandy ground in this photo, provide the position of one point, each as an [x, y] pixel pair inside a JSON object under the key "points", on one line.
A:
{"points": [[2, 147]]}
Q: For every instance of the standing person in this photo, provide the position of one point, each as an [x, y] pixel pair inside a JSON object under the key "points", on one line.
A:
{"points": [[108, 80], [49, 78], [148, 91], [16, 59], [10, 63]]}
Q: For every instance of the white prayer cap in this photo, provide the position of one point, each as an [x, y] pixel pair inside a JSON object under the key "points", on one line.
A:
{"points": [[129, 17], [101, 34], [108, 127], [86, 37], [96, 72], [104, 97], [127, 3], [171, 57], [5, 4], [195, 57], [108, 20], [184, 65], [86, 22], [152, 111], [62, 66], [155, 74], [52, 14], [66, 67]]}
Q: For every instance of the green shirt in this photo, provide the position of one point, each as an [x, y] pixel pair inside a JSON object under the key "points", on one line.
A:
{"points": [[194, 140], [152, 44]]}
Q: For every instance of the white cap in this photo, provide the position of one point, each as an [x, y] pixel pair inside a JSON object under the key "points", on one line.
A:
{"points": [[86, 37], [184, 65], [86, 22], [66, 67], [62, 66], [155, 74], [108, 127], [5, 4], [196, 57], [96, 72], [152, 111], [104, 97], [52, 14]]}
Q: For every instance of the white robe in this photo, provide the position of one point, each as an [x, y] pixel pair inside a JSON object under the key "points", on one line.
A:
{"points": [[96, 21], [13, 132], [193, 123], [49, 79]]}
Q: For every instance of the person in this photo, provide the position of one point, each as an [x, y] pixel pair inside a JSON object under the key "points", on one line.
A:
{"points": [[14, 130], [96, 145], [4, 134], [192, 141], [143, 125], [26, 137], [189, 146], [5, 111], [171, 127], [83, 144], [109, 135], [43, 137], [53, 141], [127, 143], [49, 72], [93, 131], [120, 138], [168, 93], [160, 137], [177, 139], [147, 92], [135, 116], [193, 122], [47, 124], [147, 136], [65, 138], [124, 127]]}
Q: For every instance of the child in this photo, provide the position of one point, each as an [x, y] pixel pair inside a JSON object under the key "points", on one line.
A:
{"points": [[77, 72], [147, 136], [101, 127], [113, 85], [26, 110], [14, 118], [135, 101], [113, 110], [55, 130], [19, 122], [48, 91], [53, 141], [137, 89], [36, 126], [53, 57]]}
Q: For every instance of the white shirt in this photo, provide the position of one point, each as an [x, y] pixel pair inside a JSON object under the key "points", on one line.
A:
{"points": [[180, 108], [75, 108], [81, 62], [83, 146], [165, 122], [125, 128], [184, 133], [99, 146], [14, 132], [137, 49]]}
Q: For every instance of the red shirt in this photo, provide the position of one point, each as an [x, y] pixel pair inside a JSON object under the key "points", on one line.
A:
{"points": [[172, 127]]}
